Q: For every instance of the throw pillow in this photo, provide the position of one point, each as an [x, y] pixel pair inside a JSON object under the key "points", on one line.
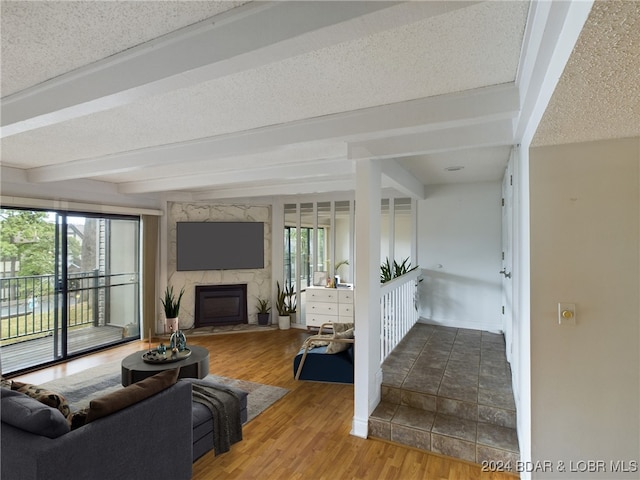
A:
{"points": [[49, 398], [77, 419], [342, 327], [27, 413], [134, 393], [335, 347], [5, 382]]}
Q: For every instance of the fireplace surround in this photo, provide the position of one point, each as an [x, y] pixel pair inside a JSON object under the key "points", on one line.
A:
{"points": [[218, 305]]}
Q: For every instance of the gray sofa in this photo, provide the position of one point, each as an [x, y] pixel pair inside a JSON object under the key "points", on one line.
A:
{"points": [[148, 439]]}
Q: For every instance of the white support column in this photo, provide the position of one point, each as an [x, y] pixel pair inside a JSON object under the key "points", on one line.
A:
{"points": [[277, 252], [392, 230], [414, 232], [368, 373]]}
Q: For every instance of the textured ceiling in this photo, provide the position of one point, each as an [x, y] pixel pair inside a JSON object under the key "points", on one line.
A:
{"points": [[421, 85], [598, 96], [41, 40], [477, 46]]}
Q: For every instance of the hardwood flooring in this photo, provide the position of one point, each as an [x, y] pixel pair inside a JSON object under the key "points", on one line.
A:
{"points": [[305, 434]]}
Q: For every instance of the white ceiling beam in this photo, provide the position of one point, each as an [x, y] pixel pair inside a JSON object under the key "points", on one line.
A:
{"points": [[499, 132], [553, 28], [186, 57], [432, 113], [336, 184], [396, 176], [230, 42], [288, 173]]}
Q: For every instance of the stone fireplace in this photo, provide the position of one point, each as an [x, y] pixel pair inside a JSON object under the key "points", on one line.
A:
{"points": [[221, 305]]}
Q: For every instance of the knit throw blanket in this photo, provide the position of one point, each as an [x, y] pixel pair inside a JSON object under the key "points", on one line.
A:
{"points": [[225, 412]]}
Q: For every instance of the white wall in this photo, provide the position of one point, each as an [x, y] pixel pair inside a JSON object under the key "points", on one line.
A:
{"points": [[585, 249], [459, 250]]}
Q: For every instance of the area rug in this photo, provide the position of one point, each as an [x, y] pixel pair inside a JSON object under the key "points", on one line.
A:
{"points": [[80, 388]]}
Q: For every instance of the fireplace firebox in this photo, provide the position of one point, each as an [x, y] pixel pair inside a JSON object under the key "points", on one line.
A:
{"points": [[221, 305]]}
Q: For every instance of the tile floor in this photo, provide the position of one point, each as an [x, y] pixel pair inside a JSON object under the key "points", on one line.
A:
{"points": [[448, 390]]}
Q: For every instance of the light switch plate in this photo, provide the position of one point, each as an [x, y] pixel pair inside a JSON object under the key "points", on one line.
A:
{"points": [[567, 313]]}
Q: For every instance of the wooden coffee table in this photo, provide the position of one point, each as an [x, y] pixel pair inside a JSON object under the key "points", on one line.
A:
{"points": [[196, 365]]}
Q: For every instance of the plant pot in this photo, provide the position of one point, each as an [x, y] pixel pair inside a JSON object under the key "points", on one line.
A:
{"points": [[263, 319], [284, 322], [172, 324]]}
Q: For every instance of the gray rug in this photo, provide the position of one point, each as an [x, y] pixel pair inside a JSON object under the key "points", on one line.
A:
{"points": [[80, 388]]}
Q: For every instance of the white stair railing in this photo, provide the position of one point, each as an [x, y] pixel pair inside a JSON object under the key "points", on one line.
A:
{"points": [[398, 310]]}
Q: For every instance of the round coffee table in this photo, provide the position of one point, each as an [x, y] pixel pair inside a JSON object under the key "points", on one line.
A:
{"points": [[196, 365]]}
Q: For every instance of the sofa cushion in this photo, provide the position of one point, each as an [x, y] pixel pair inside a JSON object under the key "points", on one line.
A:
{"points": [[49, 398], [134, 393], [27, 413]]}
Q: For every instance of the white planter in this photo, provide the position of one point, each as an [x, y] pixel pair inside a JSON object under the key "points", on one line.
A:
{"points": [[284, 322], [172, 324]]}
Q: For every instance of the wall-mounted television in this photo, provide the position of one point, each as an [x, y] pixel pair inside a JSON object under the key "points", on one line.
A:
{"points": [[219, 245]]}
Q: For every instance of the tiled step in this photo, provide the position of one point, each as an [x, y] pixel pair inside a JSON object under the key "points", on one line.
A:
{"points": [[448, 391]]}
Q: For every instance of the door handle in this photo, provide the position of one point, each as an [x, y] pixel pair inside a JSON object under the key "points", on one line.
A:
{"points": [[506, 275]]}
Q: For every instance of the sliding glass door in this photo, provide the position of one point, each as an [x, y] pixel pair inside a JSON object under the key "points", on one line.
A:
{"points": [[69, 284]]}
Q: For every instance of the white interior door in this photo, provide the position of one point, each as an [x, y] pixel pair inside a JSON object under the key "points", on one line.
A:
{"points": [[507, 257]]}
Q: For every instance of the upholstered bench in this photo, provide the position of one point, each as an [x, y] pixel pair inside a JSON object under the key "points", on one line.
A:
{"points": [[327, 358], [202, 421], [320, 366]]}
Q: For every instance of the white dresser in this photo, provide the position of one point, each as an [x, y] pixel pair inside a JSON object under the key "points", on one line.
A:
{"points": [[328, 305]]}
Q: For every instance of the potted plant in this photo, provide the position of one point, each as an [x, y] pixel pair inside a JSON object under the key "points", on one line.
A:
{"points": [[291, 302], [336, 271], [263, 311], [171, 306], [284, 320]]}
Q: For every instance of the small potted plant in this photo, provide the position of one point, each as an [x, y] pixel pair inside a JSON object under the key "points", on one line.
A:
{"points": [[291, 302], [284, 320], [171, 306], [263, 311]]}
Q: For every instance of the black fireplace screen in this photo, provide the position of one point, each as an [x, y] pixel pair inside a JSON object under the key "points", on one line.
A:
{"points": [[221, 305]]}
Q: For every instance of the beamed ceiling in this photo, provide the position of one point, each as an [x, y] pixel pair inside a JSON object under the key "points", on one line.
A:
{"points": [[222, 100]]}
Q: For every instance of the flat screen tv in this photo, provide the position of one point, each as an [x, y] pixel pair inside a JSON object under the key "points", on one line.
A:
{"points": [[219, 245]]}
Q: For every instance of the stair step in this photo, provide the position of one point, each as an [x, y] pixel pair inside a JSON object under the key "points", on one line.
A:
{"points": [[448, 391], [492, 414], [449, 435]]}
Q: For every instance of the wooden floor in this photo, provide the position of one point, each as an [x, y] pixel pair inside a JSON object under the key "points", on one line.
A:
{"points": [[305, 434]]}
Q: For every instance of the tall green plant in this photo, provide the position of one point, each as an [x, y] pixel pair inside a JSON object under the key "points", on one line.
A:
{"points": [[281, 301], [290, 299], [389, 272], [170, 303]]}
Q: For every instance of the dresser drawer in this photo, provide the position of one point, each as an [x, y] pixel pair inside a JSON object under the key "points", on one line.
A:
{"points": [[345, 296], [322, 308], [315, 320], [345, 310], [322, 295]]}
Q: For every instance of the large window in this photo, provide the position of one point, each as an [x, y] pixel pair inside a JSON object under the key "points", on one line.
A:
{"points": [[69, 284]]}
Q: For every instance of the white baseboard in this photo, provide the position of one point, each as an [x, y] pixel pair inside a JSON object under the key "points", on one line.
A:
{"points": [[487, 327], [360, 428]]}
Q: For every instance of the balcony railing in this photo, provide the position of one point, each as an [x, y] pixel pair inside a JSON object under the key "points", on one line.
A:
{"points": [[30, 305], [398, 310]]}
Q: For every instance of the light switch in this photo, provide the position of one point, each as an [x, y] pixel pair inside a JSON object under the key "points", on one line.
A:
{"points": [[567, 313]]}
